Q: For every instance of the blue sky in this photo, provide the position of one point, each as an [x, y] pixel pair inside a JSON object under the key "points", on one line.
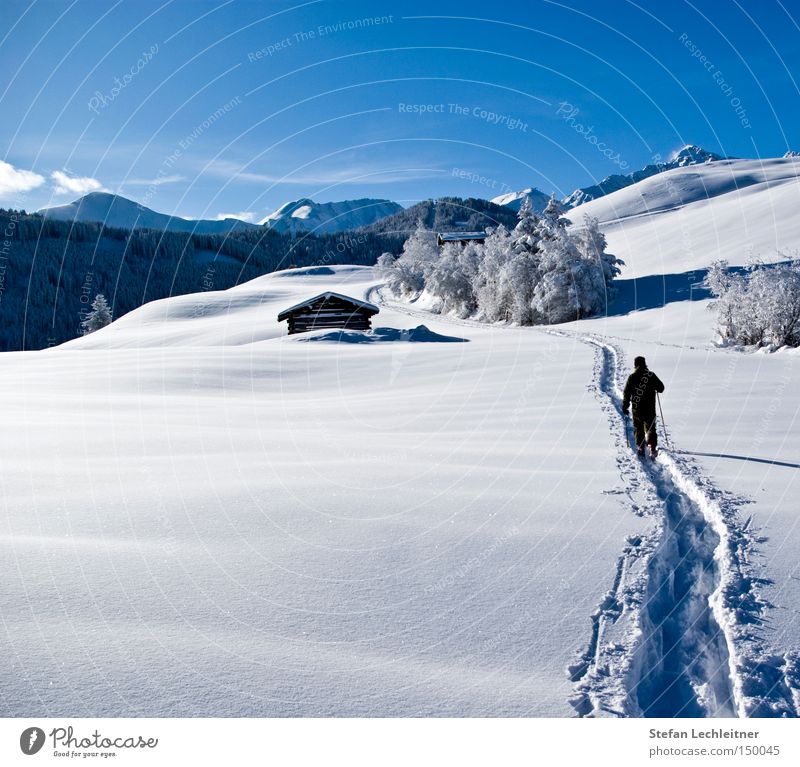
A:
{"points": [[202, 109]]}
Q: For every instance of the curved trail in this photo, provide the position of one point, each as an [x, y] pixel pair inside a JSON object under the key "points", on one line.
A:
{"points": [[678, 658], [674, 635], [696, 652]]}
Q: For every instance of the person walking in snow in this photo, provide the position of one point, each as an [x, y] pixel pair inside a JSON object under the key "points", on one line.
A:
{"points": [[640, 395]]}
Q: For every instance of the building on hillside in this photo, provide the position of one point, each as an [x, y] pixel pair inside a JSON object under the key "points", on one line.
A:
{"points": [[462, 238], [329, 310]]}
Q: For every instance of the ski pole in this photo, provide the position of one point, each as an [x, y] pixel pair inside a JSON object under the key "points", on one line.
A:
{"points": [[663, 422]]}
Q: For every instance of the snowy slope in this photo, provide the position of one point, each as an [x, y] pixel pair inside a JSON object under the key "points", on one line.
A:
{"points": [[116, 211], [687, 156], [733, 425], [322, 217], [686, 218], [205, 516]]}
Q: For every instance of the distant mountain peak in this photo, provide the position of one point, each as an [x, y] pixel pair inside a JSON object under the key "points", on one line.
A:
{"points": [[691, 154], [119, 212], [514, 200], [323, 217]]}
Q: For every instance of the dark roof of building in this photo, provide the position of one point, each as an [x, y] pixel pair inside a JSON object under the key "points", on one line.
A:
{"points": [[461, 236], [362, 305]]}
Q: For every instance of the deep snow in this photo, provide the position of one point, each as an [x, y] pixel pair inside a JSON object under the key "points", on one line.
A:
{"points": [[733, 421], [204, 516]]}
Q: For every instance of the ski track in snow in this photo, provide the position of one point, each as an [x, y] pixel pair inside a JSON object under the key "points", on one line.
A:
{"points": [[693, 648], [677, 634]]}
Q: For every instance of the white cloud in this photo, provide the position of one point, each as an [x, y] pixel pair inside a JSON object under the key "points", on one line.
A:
{"points": [[66, 184], [351, 174], [157, 181], [14, 181], [245, 215]]}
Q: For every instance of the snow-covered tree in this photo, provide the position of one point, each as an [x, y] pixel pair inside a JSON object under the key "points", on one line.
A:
{"points": [[592, 243], [537, 273], [576, 271], [407, 274], [99, 317], [729, 289], [552, 216], [396, 277], [522, 268], [493, 291], [784, 308], [760, 307], [452, 278]]}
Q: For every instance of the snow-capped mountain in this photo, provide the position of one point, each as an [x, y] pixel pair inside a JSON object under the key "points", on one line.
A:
{"points": [[514, 200], [685, 218], [689, 155], [116, 211], [322, 217]]}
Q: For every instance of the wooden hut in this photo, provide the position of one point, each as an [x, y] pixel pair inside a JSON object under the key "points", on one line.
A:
{"points": [[329, 310]]}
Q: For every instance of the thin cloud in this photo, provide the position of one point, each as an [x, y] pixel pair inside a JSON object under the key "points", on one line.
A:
{"points": [[14, 181], [364, 174], [245, 215], [66, 184], [157, 181]]}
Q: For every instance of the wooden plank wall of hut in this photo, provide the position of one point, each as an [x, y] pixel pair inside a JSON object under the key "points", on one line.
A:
{"points": [[332, 313]]}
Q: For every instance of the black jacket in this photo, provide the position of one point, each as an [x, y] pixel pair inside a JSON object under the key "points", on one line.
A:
{"points": [[640, 392]]}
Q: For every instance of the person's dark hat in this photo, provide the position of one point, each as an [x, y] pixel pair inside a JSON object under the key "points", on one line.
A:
{"points": [[639, 362]]}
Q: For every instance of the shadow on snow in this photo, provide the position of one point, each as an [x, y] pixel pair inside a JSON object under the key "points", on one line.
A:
{"points": [[768, 461], [657, 290], [419, 334]]}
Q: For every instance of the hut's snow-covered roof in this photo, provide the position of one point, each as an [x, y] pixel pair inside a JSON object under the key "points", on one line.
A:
{"points": [[371, 308]]}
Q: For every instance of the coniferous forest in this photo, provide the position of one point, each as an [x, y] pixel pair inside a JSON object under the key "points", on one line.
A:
{"points": [[51, 271]]}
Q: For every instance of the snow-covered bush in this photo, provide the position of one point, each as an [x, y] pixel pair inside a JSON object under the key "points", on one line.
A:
{"points": [[759, 307], [99, 317], [538, 273]]}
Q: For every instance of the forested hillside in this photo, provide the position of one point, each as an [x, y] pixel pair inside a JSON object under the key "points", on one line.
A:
{"points": [[445, 214], [50, 271]]}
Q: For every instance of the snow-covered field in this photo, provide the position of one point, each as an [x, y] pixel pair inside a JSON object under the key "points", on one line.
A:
{"points": [[203, 516], [732, 421], [684, 219]]}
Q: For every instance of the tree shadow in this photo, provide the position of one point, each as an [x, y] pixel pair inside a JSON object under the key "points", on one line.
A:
{"points": [[750, 458], [657, 290]]}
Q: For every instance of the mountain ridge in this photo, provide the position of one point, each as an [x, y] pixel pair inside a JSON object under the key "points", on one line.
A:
{"points": [[305, 215], [690, 154], [687, 155], [116, 211]]}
